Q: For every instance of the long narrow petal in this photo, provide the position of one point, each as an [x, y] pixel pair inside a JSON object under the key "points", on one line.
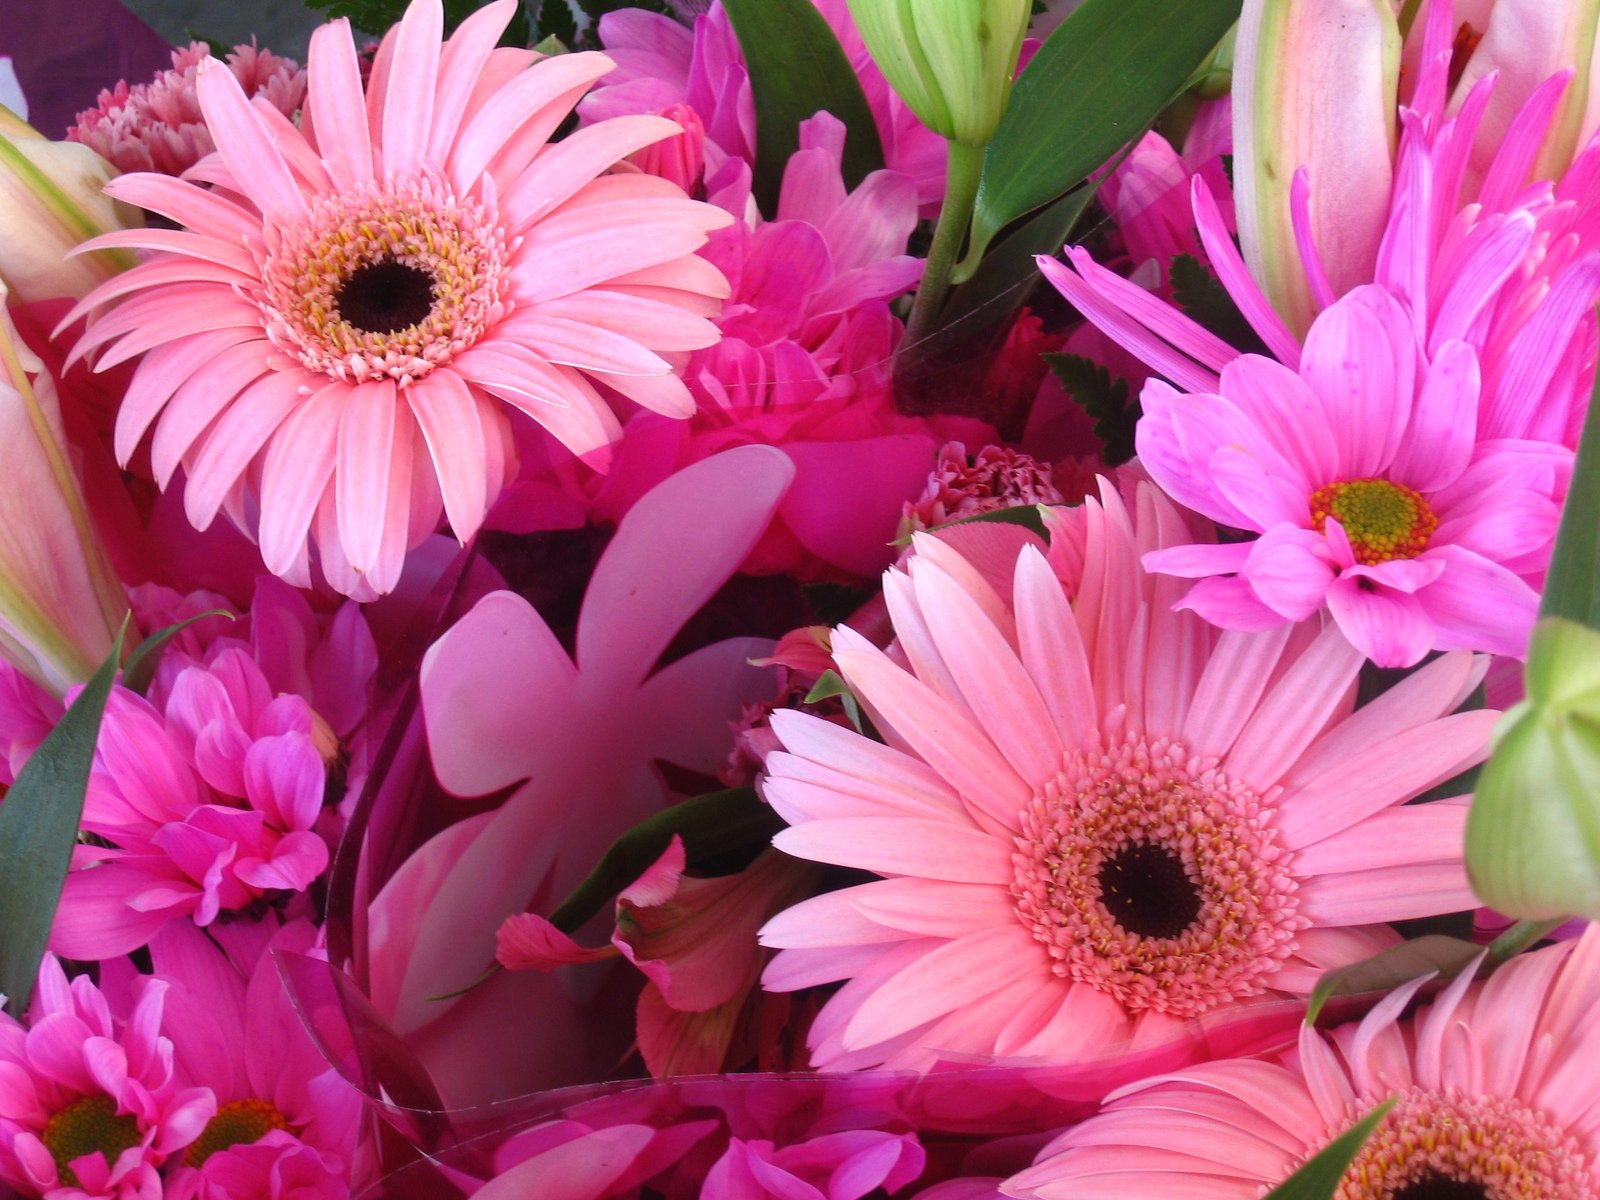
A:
{"points": [[339, 113]]}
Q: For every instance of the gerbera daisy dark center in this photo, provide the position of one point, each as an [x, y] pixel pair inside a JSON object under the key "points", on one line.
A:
{"points": [[1151, 875], [1382, 519], [1450, 1145], [86, 1126], [385, 296], [237, 1124], [1146, 890], [1441, 1187], [389, 280]]}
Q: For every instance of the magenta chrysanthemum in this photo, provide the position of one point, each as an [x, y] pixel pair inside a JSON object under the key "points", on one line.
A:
{"points": [[336, 334], [1494, 1096], [1098, 818]]}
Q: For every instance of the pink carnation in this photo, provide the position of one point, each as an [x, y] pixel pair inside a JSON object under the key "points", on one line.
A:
{"points": [[90, 1105], [962, 486], [158, 126]]}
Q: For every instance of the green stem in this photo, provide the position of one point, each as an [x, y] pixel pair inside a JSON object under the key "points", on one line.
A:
{"points": [[955, 214], [1520, 936]]}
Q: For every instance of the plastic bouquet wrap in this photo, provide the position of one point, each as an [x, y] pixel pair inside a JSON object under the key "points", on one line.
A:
{"points": [[872, 600]]}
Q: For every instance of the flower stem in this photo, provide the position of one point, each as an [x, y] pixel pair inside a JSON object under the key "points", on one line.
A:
{"points": [[955, 214], [1522, 935]]}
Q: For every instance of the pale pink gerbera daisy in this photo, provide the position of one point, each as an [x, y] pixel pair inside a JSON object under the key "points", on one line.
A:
{"points": [[1496, 1098], [1098, 818], [337, 334]]}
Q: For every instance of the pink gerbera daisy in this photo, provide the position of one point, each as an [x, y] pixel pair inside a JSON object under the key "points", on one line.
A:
{"points": [[1371, 492], [1097, 817], [1495, 1099], [338, 331]]}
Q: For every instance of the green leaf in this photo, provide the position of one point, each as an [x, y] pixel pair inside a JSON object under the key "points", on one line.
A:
{"points": [[1320, 1177], [1008, 273], [140, 668], [38, 828], [1389, 969], [1105, 400], [1572, 588], [1098, 80], [830, 684], [551, 19], [796, 69], [1205, 300], [712, 827]]}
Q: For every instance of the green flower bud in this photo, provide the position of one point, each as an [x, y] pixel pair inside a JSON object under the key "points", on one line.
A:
{"points": [[951, 61], [1533, 836]]}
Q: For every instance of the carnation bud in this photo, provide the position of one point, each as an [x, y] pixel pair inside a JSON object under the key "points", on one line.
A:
{"points": [[1533, 836], [952, 62], [50, 200]]}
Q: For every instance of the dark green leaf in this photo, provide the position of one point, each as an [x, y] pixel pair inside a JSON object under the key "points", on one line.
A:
{"points": [[1319, 1178], [1205, 300], [375, 16], [38, 828], [711, 826], [1388, 969], [1098, 80], [1008, 272], [140, 668], [796, 69], [1105, 400], [1572, 589], [551, 18]]}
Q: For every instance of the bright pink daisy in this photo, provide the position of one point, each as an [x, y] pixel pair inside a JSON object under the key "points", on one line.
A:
{"points": [[1097, 817], [339, 331], [90, 1105], [1372, 495], [1495, 1099]]}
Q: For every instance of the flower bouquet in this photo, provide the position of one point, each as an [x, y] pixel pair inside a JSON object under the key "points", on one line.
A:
{"points": [[804, 599]]}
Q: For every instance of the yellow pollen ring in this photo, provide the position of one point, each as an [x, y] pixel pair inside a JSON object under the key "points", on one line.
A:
{"points": [[1383, 520]]}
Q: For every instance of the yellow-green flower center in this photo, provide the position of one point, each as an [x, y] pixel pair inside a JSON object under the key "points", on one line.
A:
{"points": [[1383, 520], [86, 1126], [236, 1124]]}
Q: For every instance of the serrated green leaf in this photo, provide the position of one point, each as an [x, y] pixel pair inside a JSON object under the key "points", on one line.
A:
{"points": [[140, 668], [38, 828], [1319, 1178], [1572, 588], [797, 68], [711, 826], [1105, 400], [1098, 80], [1202, 298]]}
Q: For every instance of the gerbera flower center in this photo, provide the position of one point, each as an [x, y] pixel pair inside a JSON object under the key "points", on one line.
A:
{"points": [[1446, 1145], [1382, 519], [1151, 875], [237, 1124], [85, 1127], [386, 281]]}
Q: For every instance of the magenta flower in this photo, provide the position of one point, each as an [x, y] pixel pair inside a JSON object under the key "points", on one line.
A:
{"points": [[1372, 495], [337, 336], [158, 126], [90, 1105], [285, 1119]]}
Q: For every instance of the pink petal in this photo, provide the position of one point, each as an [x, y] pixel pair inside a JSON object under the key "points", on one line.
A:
{"points": [[902, 846], [413, 76], [448, 416], [245, 145], [1290, 571], [361, 471], [336, 104]]}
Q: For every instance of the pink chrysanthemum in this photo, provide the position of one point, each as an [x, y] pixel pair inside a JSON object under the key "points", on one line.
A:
{"points": [[1372, 495], [1098, 817], [90, 1105], [158, 126], [337, 334], [286, 1123], [1494, 1088]]}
